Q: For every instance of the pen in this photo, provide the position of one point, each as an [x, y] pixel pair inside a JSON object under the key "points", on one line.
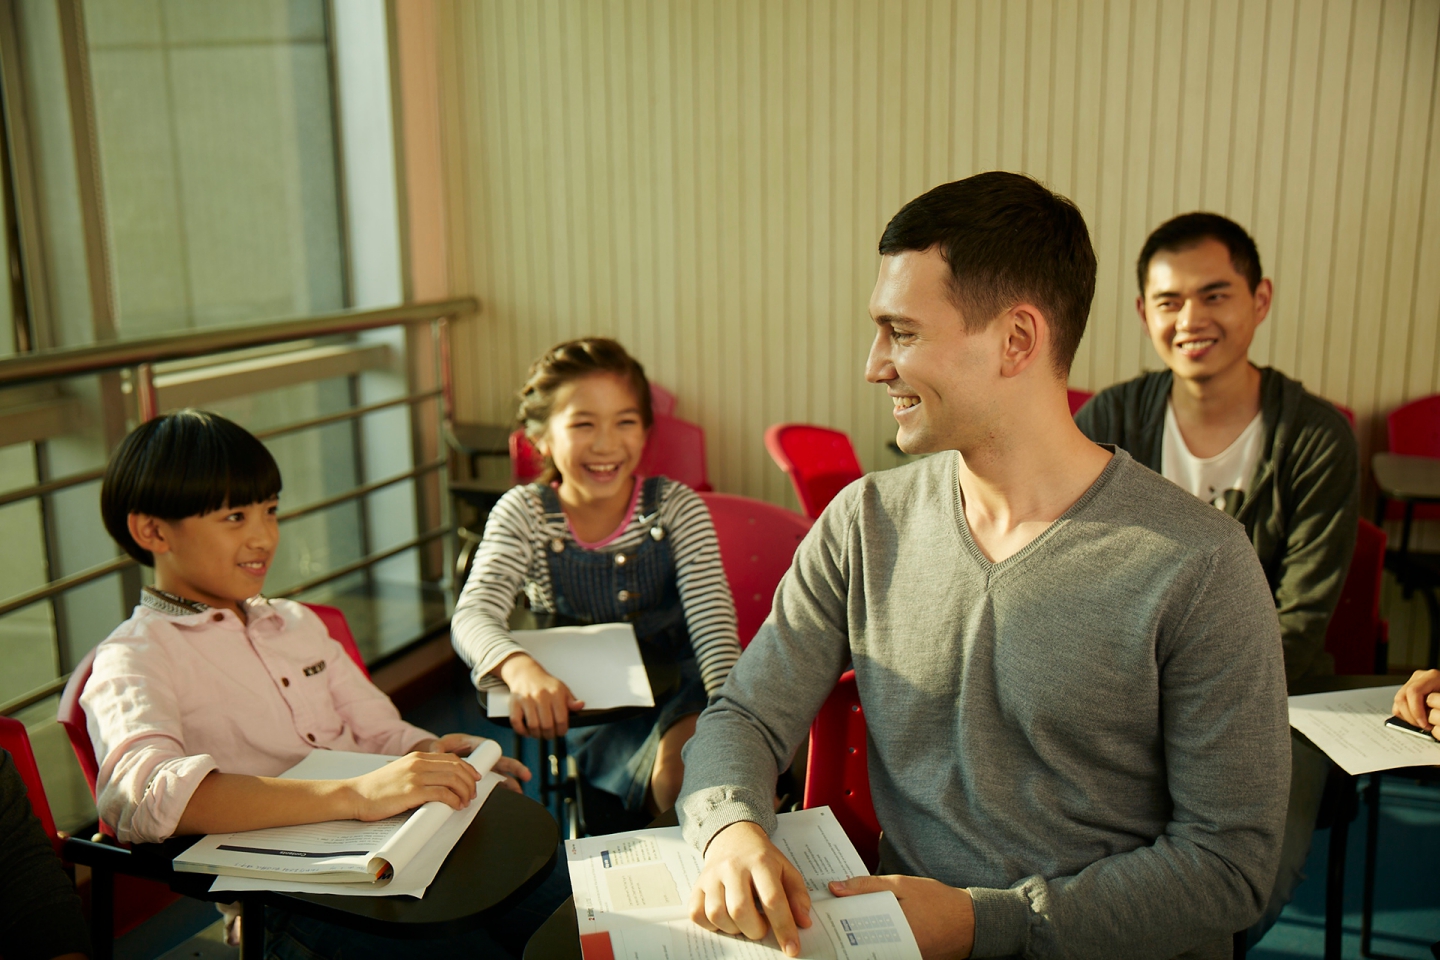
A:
{"points": [[1400, 726]]}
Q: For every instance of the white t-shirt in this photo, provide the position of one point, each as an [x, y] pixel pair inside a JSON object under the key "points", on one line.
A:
{"points": [[1221, 480]]}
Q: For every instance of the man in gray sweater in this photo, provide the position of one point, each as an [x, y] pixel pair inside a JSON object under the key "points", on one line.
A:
{"points": [[1071, 669]]}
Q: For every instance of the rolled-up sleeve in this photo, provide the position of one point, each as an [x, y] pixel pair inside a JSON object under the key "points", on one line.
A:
{"points": [[146, 776]]}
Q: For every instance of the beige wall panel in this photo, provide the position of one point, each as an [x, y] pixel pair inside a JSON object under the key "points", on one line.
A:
{"points": [[708, 182]]}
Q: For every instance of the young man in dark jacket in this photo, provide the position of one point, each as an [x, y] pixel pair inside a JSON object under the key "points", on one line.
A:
{"points": [[1252, 442]]}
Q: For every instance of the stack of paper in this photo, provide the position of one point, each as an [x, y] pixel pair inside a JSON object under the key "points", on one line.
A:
{"points": [[632, 889], [600, 664], [400, 855], [1349, 725]]}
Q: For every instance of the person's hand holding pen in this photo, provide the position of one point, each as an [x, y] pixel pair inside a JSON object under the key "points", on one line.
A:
{"points": [[1418, 702]]}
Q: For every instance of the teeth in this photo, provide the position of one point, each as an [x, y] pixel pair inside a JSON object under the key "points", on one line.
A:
{"points": [[607, 468], [902, 403]]}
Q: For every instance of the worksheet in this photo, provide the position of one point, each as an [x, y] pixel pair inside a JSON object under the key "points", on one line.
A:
{"points": [[600, 664], [631, 891], [1349, 725]]}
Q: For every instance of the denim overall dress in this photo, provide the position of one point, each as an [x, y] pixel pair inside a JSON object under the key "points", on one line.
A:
{"points": [[635, 585]]}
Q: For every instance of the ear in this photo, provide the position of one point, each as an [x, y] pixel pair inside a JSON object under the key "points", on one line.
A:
{"points": [[1264, 293], [148, 532], [1140, 312], [1027, 335]]}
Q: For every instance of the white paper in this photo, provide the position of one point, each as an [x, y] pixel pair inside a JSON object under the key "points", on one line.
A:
{"points": [[600, 664], [632, 888], [347, 853], [1349, 725]]}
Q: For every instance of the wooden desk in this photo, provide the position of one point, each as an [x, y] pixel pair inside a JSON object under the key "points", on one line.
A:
{"points": [[559, 937], [506, 852]]}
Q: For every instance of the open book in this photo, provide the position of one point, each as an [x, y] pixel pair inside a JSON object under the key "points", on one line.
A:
{"points": [[632, 889], [349, 856]]}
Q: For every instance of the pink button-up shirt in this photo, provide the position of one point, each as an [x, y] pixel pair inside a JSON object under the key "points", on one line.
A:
{"points": [[172, 698]]}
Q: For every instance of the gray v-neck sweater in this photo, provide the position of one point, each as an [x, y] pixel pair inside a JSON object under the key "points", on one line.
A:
{"points": [[1090, 736]]}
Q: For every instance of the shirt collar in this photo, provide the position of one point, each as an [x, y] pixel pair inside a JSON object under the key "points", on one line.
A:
{"points": [[166, 604]]}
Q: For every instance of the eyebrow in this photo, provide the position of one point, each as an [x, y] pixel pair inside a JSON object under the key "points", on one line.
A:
{"points": [[588, 413], [892, 319], [1208, 288]]}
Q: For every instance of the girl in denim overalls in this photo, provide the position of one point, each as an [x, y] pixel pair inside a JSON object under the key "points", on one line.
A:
{"points": [[594, 542]]}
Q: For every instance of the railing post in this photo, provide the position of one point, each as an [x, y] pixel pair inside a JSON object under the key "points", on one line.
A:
{"points": [[422, 354], [147, 400]]}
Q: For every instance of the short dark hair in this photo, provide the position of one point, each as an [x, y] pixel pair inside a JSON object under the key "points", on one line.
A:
{"points": [[1007, 238], [181, 465], [1192, 229], [570, 361]]}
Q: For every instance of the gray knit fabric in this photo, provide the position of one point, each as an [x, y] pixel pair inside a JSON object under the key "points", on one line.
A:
{"points": [[1091, 736]]}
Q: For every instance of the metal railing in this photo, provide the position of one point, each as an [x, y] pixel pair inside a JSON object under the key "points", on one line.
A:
{"points": [[427, 378]]}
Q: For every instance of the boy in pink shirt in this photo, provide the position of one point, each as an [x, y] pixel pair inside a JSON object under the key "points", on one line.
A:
{"points": [[209, 691]]}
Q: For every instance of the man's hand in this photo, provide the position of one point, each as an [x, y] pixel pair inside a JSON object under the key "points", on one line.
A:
{"points": [[748, 887], [1418, 702], [540, 704], [414, 779], [942, 918]]}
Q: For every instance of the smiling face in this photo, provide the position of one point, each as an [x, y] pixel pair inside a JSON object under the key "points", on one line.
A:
{"points": [[1199, 311], [595, 437], [938, 375], [218, 558]]}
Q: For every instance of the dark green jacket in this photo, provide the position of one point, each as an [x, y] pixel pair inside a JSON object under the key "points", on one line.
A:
{"points": [[1301, 511]]}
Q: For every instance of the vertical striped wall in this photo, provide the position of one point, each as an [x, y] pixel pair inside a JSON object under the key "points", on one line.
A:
{"points": [[707, 181]]}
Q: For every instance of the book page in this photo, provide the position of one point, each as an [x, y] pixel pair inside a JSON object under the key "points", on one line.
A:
{"points": [[599, 663], [632, 890], [1349, 725]]}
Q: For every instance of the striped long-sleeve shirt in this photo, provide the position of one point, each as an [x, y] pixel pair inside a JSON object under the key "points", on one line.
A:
{"points": [[512, 558]]}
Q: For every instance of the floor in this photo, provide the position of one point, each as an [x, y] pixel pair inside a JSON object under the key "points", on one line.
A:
{"points": [[1407, 918]]}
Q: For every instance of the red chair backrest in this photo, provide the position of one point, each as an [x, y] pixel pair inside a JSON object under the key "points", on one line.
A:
{"points": [[525, 461], [71, 714], [1349, 414], [838, 772], [14, 739], [820, 462], [1077, 399], [676, 449], [662, 401], [1355, 629], [1415, 428], [757, 543]]}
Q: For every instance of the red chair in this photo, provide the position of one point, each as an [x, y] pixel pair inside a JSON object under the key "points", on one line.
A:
{"points": [[1357, 638], [1414, 430], [662, 401], [1077, 399], [820, 462], [838, 770], [757, 543], [15, 739], [1349, 414], [525, 461]]}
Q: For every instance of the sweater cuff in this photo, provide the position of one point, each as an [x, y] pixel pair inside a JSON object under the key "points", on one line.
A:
{"points": [[1002, 921], [707, 812]]}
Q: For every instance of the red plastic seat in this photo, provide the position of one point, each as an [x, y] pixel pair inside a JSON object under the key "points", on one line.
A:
{"points": [[662, 401], [1349, 414], [838, 772], [526, 464], [15, 739], [1077, 399], [757, 543], [1357, 638], [1414, 430], [820, 462]]}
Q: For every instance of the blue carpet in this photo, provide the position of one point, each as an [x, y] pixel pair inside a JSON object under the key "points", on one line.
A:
{"points": [[1407, 883]]}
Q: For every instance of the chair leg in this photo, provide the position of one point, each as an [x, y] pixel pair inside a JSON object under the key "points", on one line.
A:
{"points": [[1335, 881], [1372, 835], [102, 913], [252, 929]]}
